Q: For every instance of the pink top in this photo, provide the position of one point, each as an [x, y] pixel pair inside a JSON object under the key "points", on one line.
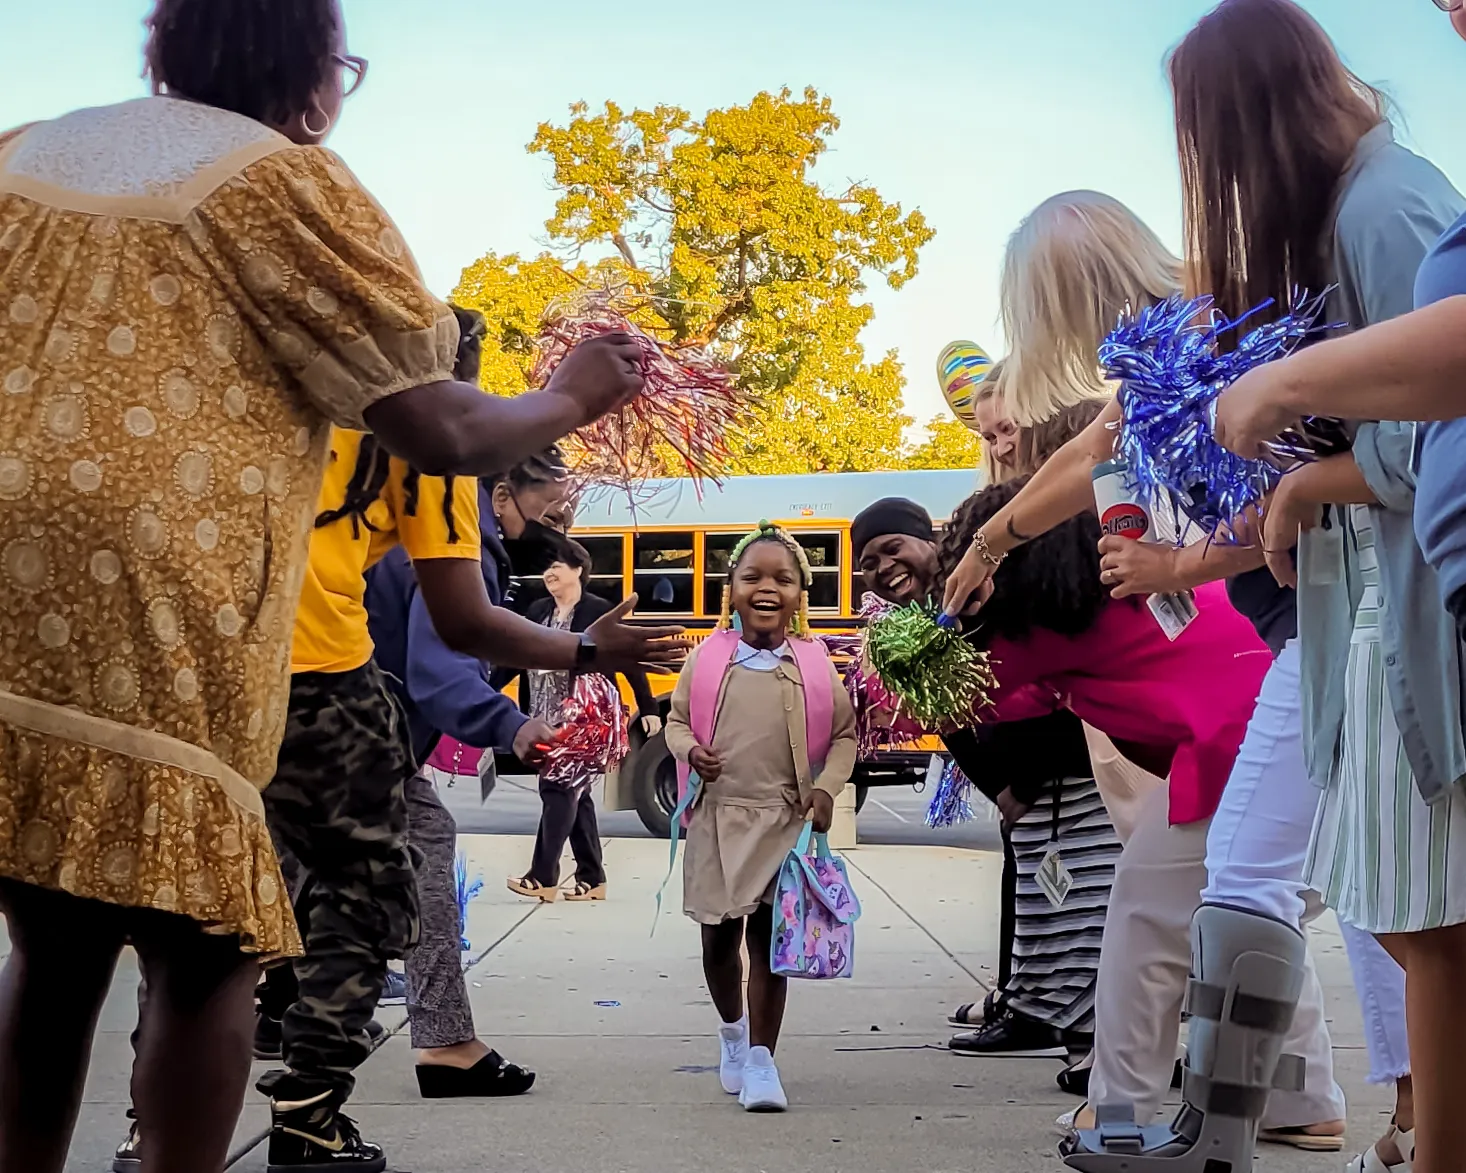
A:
{"points": [[1175, 708]]}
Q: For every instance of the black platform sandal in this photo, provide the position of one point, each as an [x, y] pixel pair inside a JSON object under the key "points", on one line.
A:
{"points": [[490, 1076]]}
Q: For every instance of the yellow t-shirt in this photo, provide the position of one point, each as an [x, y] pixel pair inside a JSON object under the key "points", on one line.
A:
{"points": [[331, 625]]}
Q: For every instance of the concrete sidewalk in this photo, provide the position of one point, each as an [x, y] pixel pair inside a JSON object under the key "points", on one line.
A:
{"points": [[617, 1025]]}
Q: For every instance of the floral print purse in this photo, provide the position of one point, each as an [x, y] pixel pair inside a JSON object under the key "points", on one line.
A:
{"points": [[815, 911]]}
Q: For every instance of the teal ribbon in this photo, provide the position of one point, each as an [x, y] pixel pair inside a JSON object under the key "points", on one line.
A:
{"points": [[694, 784]]}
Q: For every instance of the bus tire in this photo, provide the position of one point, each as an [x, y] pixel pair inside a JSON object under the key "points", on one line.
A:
{"points": [[654, 786]]}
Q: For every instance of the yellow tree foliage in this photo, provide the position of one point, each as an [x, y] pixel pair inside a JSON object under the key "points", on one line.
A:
{"points": [[718, 231], [949, 444]]}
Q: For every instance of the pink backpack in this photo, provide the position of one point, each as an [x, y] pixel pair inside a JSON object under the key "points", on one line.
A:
{"points": [[713, 659]]}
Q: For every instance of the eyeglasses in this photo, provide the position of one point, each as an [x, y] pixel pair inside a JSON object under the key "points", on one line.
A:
{"points": [[354, 69], [1449, 5]]}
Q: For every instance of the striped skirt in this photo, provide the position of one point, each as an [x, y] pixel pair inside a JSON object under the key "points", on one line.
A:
{"points": [[1381, 857], [1056, 951]]}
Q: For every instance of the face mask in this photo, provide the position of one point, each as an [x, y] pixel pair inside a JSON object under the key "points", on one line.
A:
{"points": [[536, 549]]}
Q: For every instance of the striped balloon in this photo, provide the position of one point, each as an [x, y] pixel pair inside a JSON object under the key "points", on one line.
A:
{"points": [[960, 368]]}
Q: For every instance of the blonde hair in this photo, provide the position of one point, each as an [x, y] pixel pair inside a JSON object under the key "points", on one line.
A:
{"points": [[1073, 265]]}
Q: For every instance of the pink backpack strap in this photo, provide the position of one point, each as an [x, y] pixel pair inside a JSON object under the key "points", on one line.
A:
{"points": [[819, 699], [713, 658]]}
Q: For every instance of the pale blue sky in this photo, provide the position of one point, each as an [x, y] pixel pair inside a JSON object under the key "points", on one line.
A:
{"points": [[972, 110]]}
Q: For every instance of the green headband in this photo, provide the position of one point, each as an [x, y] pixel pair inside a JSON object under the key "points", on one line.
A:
{"points": [[768, 532]]}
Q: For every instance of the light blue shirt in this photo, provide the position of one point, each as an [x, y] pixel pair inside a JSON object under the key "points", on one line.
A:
{"points": [[1392, 207]]}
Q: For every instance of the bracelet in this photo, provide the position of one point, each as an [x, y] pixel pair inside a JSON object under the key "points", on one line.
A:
{"points": [[984, 551]]}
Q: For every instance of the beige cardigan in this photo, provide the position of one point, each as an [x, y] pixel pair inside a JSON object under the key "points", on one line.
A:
{"points": [[839, 762]]}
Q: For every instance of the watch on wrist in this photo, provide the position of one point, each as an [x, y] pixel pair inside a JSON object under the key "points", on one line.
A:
{"points": [[585, 654]]}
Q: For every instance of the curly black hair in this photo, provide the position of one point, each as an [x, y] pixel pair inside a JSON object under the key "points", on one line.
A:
{"points": [[471, 330], [1051, 582], [264, 59]]}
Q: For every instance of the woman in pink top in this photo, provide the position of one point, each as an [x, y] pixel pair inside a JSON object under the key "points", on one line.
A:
{"points": [[1058, 639]]}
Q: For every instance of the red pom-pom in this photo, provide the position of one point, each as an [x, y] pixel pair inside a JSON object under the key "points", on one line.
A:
{"points": [[592, 739]]}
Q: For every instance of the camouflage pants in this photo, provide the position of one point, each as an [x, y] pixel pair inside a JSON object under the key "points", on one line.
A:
{"points": [[337, 807]]}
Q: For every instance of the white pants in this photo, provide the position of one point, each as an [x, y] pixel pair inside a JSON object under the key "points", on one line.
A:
{"points": [[1144, 963], [1380, 983], [1259, 836]]}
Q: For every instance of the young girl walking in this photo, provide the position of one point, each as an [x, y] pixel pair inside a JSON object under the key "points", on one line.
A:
{"points": [[761, 718]]}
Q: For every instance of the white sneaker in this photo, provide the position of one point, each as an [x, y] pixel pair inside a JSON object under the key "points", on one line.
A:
{"points": [[762, 1091], [734, 1039]]}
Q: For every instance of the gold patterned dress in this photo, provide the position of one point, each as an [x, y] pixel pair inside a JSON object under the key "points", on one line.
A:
{"points": [[187, 299]]}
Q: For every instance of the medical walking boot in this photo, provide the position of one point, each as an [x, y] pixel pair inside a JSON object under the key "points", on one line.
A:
{"points": [[1246, 979]]}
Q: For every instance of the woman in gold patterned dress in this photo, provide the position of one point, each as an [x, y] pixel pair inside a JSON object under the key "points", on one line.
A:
{"points": [[191, 291]]}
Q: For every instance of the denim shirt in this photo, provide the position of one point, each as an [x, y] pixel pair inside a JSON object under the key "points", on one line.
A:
{"points": [[1422, 652], [1392, 206]]}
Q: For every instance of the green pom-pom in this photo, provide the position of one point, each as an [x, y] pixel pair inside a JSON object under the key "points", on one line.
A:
{"points": [[938, 676]]}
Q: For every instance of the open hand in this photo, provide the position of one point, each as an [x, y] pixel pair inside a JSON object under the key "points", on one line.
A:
{"points": [[622, 647], [602, 374], [1129, 567], [534, 739], [707, 764], [819, 808]]}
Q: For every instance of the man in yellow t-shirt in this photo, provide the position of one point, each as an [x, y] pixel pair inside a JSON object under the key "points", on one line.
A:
{"points": [[337, 803]]}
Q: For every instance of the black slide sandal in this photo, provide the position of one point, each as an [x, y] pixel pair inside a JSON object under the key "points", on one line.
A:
{"points": [[490, 1076]]}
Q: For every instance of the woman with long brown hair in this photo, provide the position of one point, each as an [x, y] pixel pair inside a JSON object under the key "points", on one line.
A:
{"points": [[1292, 180]]}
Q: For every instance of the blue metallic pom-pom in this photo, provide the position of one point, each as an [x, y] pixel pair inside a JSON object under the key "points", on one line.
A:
{"points": [[951, 800], [466, 890], [1166, 359]]}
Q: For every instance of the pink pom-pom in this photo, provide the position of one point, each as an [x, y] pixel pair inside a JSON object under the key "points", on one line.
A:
{"points": [[689, 404]]}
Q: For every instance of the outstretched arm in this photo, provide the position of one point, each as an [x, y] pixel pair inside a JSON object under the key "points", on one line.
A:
{"points": [[451, 427], [466, 621], [1060, 489], [1409, 368]]}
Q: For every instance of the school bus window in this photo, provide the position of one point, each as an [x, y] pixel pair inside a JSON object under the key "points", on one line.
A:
{"points": [[607, 565], [717, 549], [823, 552], [662, 572]]}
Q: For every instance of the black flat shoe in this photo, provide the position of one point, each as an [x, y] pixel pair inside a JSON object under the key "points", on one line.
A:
{"points": [[1074, 1080], [1014, 1036], [490, 1076]]}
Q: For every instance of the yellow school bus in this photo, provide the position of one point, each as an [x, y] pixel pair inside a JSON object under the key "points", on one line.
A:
{"points": [[671, 546]]}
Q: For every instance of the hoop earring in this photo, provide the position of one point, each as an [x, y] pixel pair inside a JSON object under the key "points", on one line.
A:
{"points": [[305, 124]]}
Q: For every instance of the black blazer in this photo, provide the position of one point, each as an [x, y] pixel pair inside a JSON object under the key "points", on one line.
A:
{"points": [[587, 611]]}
